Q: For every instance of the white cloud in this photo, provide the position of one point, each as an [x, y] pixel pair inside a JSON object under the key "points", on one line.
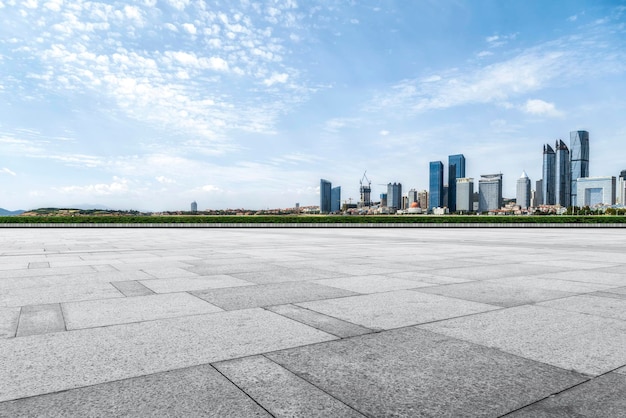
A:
{"points": [[276, 78], [171, 27], [165, 180], [482, 54], [210, 188], [117, 186], [190, 28], [541, 108], [383, 133], [7, 171]]}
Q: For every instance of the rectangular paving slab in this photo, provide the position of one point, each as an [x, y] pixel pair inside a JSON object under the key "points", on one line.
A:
{"points": [[599, 397], [411, 372], [592, 305], [371, 284], [191, 392], [269, 294], [395, 309], [99, 313], [53, 362], [281, 274], [40, 319], [55, 294], [8, 321], [281, 392], [585, 343], [322, 322], [493, 293], [183, 284], [132, 288]]}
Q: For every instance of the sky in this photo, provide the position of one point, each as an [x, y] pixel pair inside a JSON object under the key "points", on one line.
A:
{"points": [[152, 104]]}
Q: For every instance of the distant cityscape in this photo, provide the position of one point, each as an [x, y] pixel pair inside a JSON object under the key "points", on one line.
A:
{"points": [[565, 186]]}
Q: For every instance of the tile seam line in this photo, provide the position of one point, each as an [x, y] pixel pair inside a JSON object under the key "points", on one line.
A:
{"points": [[315, 386], [588, 380], [241, 389]]}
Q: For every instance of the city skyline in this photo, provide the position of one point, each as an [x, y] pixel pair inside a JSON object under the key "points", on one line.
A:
{"points": [[153, 104]]}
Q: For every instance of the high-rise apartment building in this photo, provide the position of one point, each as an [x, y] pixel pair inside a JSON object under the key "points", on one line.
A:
{"points": [[325, 196], [579, 157], [194, 207], [562, 179], [538, 193], [394, 195], [412, 197], [456, 169], [464, 192], [523, 191], [335, 199], [435, 191], [593, 191], [549, 175], [489, 192], [423, 199]]}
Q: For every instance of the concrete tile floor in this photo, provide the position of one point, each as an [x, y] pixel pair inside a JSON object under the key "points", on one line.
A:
{"points": [[319, 322]]}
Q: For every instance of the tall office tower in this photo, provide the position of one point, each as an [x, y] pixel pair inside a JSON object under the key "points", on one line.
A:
{"points": [[456, 170], [464, 191], [325, 196], [593, 191], [579, 154], [523, 191], [562, 179], [335, 199], [622, 189], [538, 193], [549, 175], [423, 199], [383, 200], [489, 192], [435, 185], [533, 199], [412, 197], [194, 207], [394, 195]]}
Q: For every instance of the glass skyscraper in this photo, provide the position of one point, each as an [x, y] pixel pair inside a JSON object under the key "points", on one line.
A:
{"points": [[563, 182], [579, 154], [464, 193], [489, 192], [335, 199], [456, 170], [394, 195], [523, 191], [549, 175], [435, 185], [325, 196]]}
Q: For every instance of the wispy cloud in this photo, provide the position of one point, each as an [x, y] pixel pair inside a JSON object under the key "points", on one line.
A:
{"points": [[5, 170], [541, 108]]}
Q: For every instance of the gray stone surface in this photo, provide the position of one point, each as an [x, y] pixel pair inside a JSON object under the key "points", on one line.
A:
{"points": [[132, 288], [282, 274], [592, 305], [495, 271], [547, 283], [40, 319], [39, 265], [192, 392], [410, 372], [281, 392], [598, 398], [269, 294], [183, 284], [55, 294], [547, 335], [371, 284], [100, 313], [53, 362], [493, 293], [395, 309], [589, 276], [322, 322], [8, 321]]}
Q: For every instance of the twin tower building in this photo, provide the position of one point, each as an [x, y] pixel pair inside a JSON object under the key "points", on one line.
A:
{"points": [[562, 167]]}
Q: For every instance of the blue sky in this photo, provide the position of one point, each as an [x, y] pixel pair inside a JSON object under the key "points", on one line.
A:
{"points": [[151, 104]]}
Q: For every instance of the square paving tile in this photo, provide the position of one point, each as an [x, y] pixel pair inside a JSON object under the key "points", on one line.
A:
{"points": [[600, 397], [8, 321], [40, 319], [99, 313], [395, 309], [585, 343], [281, 392], [192, 392], [269, 294], [493, 293], [410, 372], [183, 284], [592, 305], [371, 284], [59, 361]]}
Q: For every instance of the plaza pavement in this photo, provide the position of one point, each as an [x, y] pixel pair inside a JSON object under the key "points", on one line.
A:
{"points": [[313, 322]]}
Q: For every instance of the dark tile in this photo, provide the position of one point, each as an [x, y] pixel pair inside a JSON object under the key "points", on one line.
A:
{"points": [[40, 319], [132, 288]]}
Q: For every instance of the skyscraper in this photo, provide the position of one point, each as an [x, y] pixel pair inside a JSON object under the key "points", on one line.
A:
{"points": [[194, 207], [412, 196], [335, 199], [456, 169], [622, 188], [489, 192], [423, 199], [562, 179], [539, 192], [325, 196], [435, 192], [579, 154], [523, 191], [394, 195], [549, 175], [464, 192]]}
